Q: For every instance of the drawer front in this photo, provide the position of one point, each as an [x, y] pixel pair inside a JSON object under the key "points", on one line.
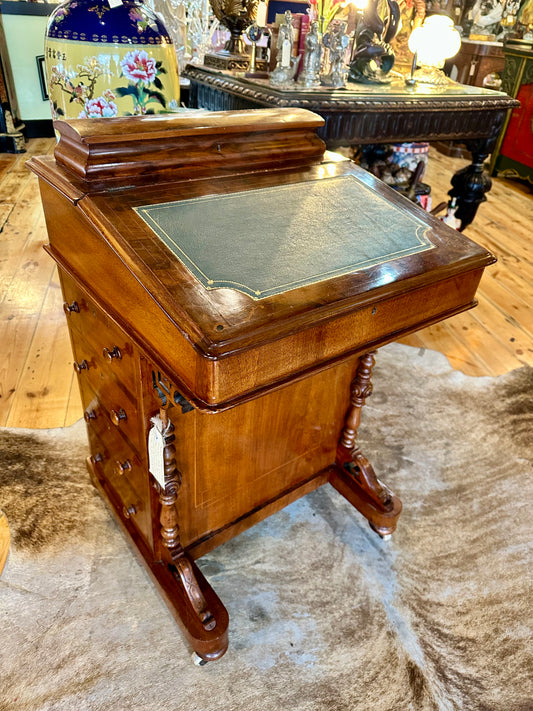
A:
{"points": [[119, 467], [111, 351], [111, 411]]}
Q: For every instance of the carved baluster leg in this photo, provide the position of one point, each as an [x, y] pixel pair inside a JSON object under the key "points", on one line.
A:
{"points": [[170, 534], [471, 184], [353, 475], [192, 601]]}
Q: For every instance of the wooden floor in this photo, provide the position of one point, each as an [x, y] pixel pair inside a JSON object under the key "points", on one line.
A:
{"points": [[37, 382]]}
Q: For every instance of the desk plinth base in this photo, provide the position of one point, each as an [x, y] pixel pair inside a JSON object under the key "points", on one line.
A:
{"points": [[211, 644], [209, 641], [191, 600]]}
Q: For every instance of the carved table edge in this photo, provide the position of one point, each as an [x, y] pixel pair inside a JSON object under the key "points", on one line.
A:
{"points": [[266, 95]]}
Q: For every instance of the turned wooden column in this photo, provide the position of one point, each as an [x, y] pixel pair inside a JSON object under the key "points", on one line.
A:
{"points": [[170, 532], [353, 474]]}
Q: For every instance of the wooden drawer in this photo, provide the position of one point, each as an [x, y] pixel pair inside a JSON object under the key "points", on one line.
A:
{"points": [[110, 410], [119, 467], [109, 348]]}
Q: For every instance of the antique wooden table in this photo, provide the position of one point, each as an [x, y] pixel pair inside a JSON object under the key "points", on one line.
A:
{"points": [[225, 289], [393, 113]]}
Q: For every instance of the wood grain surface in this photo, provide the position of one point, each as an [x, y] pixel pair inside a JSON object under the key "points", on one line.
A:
{"points": [[157, 354], [488, 340]]}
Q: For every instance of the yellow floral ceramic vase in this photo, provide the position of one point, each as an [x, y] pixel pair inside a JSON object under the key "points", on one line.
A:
{"points": [[107, 59]]}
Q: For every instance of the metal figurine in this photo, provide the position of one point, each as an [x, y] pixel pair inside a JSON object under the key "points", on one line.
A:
{"points": [[286, 64], [336, 41], [310, 74]]}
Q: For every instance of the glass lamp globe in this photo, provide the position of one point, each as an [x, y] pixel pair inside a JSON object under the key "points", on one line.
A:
{"points": [[433, 42]]}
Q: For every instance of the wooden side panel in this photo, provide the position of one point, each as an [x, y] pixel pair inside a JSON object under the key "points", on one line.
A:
{"points": [[235, 462]]}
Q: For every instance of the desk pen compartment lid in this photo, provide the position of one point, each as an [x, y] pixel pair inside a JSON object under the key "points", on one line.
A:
{"points": [[139, 150]]}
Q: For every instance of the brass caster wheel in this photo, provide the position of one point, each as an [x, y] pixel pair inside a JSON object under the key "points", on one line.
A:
{"points": [[384, 533], [197, 660]]}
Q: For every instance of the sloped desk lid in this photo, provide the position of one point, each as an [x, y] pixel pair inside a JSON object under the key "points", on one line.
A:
{"points": [[271, 240], [237, 274]]}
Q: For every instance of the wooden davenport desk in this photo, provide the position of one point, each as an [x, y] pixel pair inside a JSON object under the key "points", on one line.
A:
{"points": [[225, 290], [390, 113]]}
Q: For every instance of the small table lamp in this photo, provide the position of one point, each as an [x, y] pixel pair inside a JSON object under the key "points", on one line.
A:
{"points": [[432, 43]]}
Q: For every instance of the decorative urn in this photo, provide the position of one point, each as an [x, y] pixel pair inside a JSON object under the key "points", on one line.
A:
{"points": [[107, 59]]}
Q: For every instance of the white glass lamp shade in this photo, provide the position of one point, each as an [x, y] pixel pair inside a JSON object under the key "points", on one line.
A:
{"points": [[435, 41]]}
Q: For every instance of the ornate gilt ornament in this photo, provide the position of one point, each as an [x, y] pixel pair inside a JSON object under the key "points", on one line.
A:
{"points": [[236, 16]]}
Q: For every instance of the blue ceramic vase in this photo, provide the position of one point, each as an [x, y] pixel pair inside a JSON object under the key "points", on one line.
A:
{"points": [[106, 59]]}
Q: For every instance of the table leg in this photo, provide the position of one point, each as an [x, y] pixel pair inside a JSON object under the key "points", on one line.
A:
{"points": [[353, 475], [470, 184]]}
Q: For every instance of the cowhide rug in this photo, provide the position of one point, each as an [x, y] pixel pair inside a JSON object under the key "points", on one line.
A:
{"points": [[324, 615]]}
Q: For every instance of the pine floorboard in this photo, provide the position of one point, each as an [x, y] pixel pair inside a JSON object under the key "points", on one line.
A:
{"points": [[37, 381]]}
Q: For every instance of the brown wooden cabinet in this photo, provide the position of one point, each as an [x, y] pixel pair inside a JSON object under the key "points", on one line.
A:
{"points": [[475, 61], [226, 288]]}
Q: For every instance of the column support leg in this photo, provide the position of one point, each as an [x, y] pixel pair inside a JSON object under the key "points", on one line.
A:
{"points": [[353, 475], [195, 591]]}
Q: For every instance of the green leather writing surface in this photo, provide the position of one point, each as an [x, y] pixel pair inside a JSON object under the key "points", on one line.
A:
{"points": [[270, 240]]}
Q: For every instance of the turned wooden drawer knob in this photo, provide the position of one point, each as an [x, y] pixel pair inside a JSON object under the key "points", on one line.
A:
{"points": [[89, 415], [71, 308], [97, 458], [118, 417], [111, 353], [122, 467], [83, 365], [129, 511]]}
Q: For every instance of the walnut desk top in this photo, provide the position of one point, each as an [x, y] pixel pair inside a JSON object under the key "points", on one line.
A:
{"points": [[226, 284]]}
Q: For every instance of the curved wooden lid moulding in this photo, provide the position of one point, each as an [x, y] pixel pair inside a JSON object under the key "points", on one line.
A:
{"points": [[138, 150]]}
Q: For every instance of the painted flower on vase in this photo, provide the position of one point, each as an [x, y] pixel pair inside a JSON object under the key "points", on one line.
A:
{"points": [[101, 107], [142, 20], [85, 85], [78, 85], [142, 71], [63, 12], [138, 66]]}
